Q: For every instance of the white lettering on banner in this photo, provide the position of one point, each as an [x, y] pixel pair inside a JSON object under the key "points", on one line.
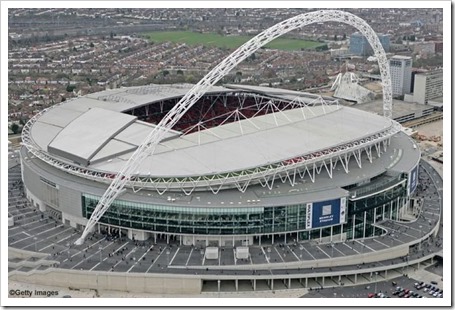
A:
{"points": [[343, 210], [327, 218], [309, 213]]}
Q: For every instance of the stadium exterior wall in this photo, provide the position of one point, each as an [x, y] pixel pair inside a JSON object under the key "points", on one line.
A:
{"points": [[68, 202]]}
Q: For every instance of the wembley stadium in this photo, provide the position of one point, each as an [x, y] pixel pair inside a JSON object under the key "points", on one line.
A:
{"points": [[245, 165], [220, 188]]}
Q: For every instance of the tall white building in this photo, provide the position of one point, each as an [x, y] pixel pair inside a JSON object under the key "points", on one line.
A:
{"points": [[400, 71], [427, 86]]}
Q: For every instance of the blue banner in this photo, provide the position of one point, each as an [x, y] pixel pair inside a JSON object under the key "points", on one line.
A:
{"points": [[412, 179], [326, 213]]}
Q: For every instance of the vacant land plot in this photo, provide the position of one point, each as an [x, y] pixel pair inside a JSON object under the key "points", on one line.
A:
{"points": [[231, 41]]}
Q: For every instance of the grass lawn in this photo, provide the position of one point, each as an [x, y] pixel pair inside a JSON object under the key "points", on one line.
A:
{"points": [[213, 39]]}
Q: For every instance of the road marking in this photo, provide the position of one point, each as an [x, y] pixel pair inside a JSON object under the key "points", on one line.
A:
{"points": [[323, 251], [293, 252], [339, 251], [170, 263], [309, 253], [45, 231], [156, 259], [279, 254], [189, 256], [262, 248], [52, 243], [346, 244], [140, 259], [363, 244], [381, 243]]}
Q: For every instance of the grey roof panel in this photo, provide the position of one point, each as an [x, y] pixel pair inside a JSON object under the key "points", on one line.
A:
{"points": [[138, 131], [81, 139], [111, 149], [60, 117], [43, 133]]}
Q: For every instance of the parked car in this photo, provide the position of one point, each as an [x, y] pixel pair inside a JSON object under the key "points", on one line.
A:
{"points": [[434, 282], [370, 295]]}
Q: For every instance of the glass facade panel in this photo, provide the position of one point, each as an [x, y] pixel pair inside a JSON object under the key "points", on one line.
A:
{"points": [[253, 220], [199, 220]]}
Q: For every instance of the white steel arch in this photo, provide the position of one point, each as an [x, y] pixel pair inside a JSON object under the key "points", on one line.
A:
{"points": [[224, 67]]}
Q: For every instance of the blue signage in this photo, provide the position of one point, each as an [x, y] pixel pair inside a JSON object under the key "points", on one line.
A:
{"points": [[412, 179], [326, 213]]}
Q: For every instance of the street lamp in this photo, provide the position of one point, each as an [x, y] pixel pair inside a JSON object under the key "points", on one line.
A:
{"points": [[269, 250], [35, 238], [301, 250]]}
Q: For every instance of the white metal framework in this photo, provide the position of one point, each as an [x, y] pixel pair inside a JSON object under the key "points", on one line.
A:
{"points": [[190, 98]]}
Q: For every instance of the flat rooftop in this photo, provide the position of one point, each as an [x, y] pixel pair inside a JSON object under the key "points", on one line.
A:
{"points": [[399, 108]]}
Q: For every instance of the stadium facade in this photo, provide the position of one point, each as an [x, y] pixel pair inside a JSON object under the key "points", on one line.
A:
{"points": [[245, 165]]}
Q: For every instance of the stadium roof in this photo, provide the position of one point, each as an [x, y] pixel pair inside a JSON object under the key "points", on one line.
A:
{"points": [[92, 131], [402, 160]]}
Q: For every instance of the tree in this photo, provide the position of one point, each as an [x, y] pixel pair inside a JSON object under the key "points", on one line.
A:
{"points": [[335, 37], [344, 36], [179, 72], [70, 88], [91, 44], [15, 128]]}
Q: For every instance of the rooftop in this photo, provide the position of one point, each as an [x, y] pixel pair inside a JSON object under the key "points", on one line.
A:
{"points": [[78, 132]]}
